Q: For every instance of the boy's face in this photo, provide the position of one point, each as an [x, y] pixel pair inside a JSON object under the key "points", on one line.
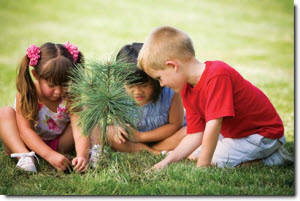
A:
{"points": [[141, 93], [168, 77]]}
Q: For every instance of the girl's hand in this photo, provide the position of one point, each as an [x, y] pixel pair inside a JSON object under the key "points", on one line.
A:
{"points": [[120, 136], [80, 163], [59, 161]]}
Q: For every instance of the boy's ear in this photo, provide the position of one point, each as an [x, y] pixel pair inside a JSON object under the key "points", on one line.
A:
{"points": [[172, 64], [34, 74]]}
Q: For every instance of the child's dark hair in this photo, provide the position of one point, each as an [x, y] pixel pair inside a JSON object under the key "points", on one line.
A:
{"points": [[53, 66], [129, 54]]}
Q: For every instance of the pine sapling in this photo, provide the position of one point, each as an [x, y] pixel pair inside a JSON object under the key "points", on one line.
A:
{"points": [[99, 99]]}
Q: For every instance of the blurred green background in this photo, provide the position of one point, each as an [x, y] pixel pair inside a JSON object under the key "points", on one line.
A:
{"points": [[254, 36]]}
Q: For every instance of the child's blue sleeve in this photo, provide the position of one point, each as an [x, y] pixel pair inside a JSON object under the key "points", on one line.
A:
{"points": [[168, 94]]}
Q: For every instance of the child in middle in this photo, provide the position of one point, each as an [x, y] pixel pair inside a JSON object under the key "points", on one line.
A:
{"points": [[162, 126]]}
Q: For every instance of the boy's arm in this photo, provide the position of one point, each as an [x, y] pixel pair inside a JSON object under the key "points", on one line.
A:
{"points": [[208, 139], [209, 142], [176, 114], [187, 145]]}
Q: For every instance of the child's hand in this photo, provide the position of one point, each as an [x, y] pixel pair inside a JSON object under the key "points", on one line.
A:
{"points": [[160, 165], [80, 163], [120, 136], [59, 161]]}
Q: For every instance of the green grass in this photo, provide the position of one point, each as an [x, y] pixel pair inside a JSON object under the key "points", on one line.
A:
{"points": [[256, 37], [126, 174]]}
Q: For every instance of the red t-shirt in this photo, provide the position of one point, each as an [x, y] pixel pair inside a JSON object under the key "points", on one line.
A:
{"points": [[223, 92]]}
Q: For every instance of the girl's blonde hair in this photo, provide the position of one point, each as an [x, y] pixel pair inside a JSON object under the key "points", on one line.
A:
{"points": [[163, 44], [54, 66]]}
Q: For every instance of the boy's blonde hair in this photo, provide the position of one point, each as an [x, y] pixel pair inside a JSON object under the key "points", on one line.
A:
{"points": [[163, 44]]}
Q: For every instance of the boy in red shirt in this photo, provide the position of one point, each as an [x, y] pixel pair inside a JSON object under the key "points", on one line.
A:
{"points": [[217, 100]]}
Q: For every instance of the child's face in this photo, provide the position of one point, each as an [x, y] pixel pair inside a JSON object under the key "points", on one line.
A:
{"points": [[142, 93], [50, 91], [168, 77]]}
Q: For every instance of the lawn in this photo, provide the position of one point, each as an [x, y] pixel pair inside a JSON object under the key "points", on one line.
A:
{"points": [[256, 37]]}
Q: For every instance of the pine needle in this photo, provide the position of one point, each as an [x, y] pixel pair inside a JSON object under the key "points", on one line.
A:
{"points": [[99, 99]]}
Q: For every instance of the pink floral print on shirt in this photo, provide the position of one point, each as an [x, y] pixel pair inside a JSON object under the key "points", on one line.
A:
{"points": [[51, 124], [60, 111]]}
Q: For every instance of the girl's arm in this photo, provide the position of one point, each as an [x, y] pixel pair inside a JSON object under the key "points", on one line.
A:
{"points": [[82, 146], [176, 114], [36, 144]]}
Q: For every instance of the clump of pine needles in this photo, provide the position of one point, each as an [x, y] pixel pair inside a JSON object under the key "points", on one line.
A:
{"points": [[98, 97]]}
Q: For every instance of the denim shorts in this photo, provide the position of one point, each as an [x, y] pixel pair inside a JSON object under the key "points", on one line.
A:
{"points": [[231, 152]]}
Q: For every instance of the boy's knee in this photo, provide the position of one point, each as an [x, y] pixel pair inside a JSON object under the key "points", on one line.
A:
{"points": [[7, 112]]}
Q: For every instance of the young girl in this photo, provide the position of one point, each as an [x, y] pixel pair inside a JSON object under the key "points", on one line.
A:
{"points": [[40, 123], [161, 126]]}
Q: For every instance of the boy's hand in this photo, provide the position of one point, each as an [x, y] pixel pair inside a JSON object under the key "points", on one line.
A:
{"points": [[160, 165], [80, 163], [59, 161], [203, 164]]}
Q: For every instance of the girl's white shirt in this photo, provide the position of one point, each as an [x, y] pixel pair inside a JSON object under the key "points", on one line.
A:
{"points": [[51, 124]]}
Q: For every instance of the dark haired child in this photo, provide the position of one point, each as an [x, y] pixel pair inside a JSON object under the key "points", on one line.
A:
{"points": [[161, 127]]}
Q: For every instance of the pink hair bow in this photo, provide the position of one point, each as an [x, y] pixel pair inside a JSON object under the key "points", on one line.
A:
{"points": [[73, 49], [33, 53]]}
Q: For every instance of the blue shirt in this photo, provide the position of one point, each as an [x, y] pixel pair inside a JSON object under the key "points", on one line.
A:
{"points": [[156, 114]]}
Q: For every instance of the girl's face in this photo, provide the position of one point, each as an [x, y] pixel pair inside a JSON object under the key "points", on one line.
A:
{"points": [[50, 91], [142, 93]]}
